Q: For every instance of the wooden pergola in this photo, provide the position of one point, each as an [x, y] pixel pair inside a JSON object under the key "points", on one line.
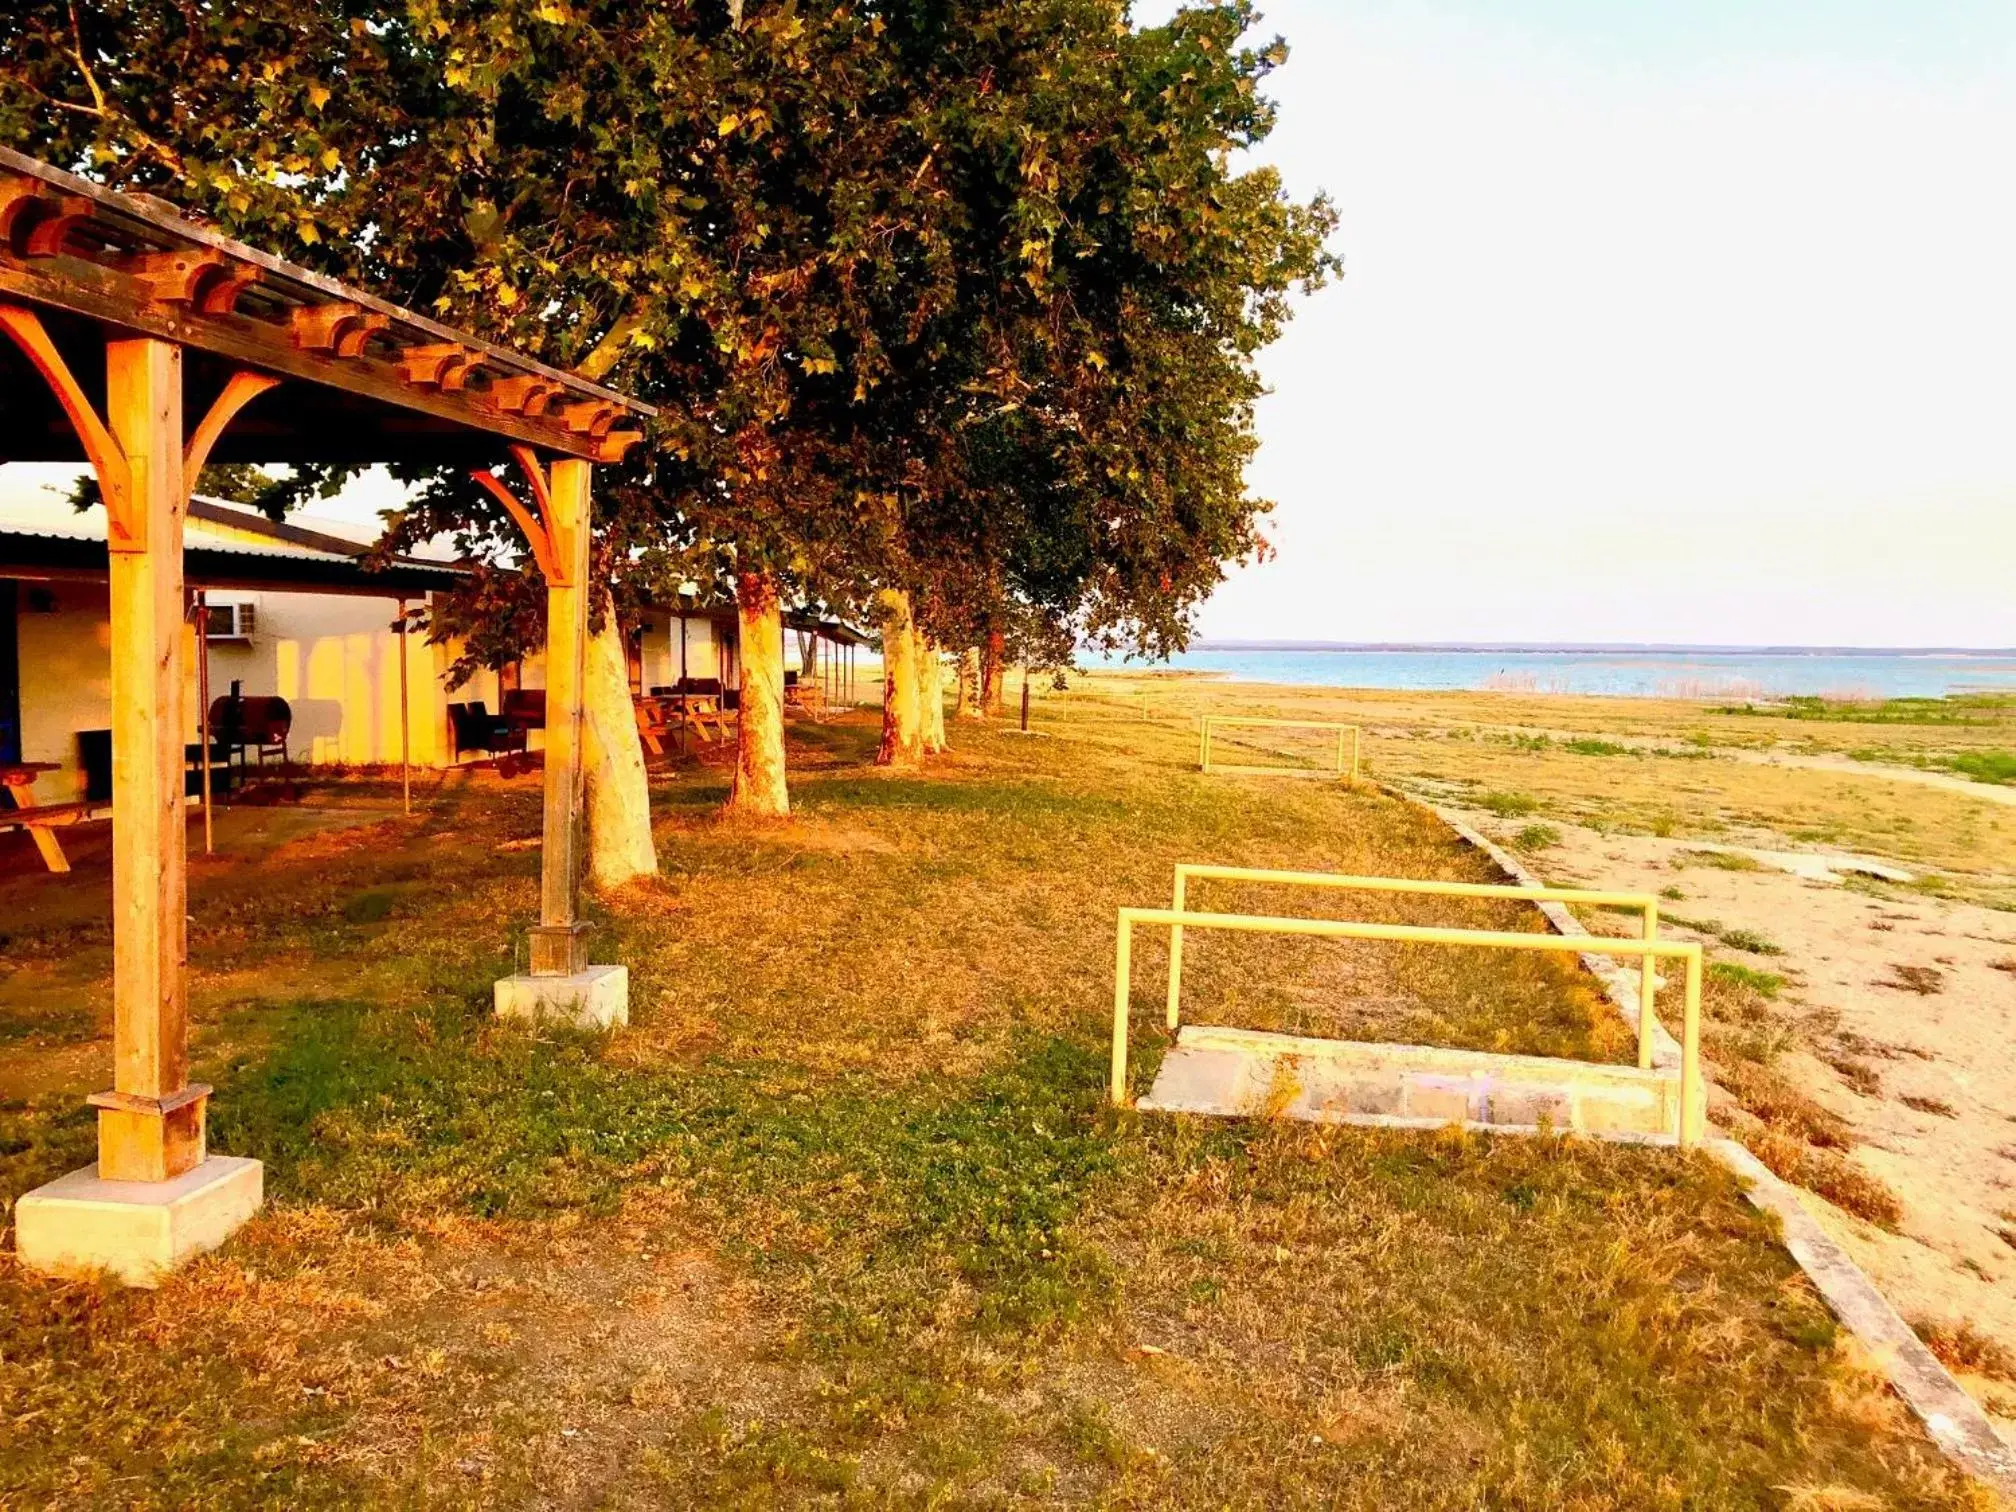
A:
{"points": [[144, 344]]}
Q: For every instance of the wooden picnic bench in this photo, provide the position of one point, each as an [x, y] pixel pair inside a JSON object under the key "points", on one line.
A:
{"points": [[17, 781]]}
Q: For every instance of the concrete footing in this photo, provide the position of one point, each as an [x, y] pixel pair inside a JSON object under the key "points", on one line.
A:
{"points": [[598, 998], [138, 1231], [1247, 1073]]}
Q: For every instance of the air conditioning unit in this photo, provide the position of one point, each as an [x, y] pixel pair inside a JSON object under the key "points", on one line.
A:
{"points": [[230, 622]]}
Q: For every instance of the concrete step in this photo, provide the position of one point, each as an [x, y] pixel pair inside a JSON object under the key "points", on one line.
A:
{"points": [[1247, 1073]]}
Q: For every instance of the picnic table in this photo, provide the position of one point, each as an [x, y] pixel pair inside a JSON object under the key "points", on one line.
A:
{"points": [[17, 782]]}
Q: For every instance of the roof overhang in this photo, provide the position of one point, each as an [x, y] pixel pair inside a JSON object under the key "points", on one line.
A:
{"points": [[370, 382], [31, 557]]}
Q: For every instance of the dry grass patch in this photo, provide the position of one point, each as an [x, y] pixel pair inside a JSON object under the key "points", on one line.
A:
{"points": [[844, 1221]]}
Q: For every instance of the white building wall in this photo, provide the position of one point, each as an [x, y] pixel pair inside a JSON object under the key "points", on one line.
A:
{"points": [[334, 658]]}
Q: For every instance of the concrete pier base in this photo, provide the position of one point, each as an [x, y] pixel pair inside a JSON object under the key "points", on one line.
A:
{"points": [[598, 998], [79, 1226]]}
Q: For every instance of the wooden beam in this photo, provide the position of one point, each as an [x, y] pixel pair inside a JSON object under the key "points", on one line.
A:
{"points": [[109, 298], [559, 946], [151, 1125]]}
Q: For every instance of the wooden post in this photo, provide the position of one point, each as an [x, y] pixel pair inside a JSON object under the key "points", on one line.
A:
{"points": [[203, 710], [151, 1125], [559, 944]]}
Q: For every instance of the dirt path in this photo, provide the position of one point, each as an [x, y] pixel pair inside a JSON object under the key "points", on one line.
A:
{"points": [[1918, 999], [1987, 792]]}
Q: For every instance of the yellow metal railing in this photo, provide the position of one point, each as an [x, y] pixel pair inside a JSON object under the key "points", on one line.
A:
{"points": [[1693, 1117], [1341, 730], [1645, 903]]}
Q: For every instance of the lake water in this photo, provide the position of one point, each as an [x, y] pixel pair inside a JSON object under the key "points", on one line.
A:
{"points": [[1650, 672]]}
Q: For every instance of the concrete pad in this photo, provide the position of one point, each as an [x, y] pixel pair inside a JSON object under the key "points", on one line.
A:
{"points": [[598, 998], [138, 1231], [1247, 1073]]}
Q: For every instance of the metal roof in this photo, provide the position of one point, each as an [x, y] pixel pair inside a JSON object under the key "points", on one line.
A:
{"points": [[213, 561]]}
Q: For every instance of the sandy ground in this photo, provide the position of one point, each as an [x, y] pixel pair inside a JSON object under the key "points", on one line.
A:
{"points": [[1952, 1158]]}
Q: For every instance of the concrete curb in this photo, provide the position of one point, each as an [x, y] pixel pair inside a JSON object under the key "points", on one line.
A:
{"points": [[1954, 1419]]}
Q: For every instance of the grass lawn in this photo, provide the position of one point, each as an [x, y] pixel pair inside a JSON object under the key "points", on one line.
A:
{"points": [[842, 1219]]}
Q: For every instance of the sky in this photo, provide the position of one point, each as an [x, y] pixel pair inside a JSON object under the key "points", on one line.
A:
{"points": [[1660, 322], [1670, 322]]}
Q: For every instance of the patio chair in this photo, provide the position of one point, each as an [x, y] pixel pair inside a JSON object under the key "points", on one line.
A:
{"points": [[475, 728]]}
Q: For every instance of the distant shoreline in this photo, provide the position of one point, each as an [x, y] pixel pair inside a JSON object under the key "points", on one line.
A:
{"points": [[1595, 648]]}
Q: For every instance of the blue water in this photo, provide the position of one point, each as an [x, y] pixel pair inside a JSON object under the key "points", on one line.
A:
{"points": [[1648, 672]]}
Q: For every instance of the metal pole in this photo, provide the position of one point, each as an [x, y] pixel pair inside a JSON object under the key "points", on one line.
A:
{"points": [[203, 708], [1123, 952], [682, 653], [1648, 990], [405, 721], [1693, 1106], [1176, 955]]}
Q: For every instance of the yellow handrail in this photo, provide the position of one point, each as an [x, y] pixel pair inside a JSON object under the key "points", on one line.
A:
{"points": [[1693, 1107], [1211, 720], [1645, 903]]}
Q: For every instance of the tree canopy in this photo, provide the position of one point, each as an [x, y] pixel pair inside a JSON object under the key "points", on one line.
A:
{"points": [[960, 296]]}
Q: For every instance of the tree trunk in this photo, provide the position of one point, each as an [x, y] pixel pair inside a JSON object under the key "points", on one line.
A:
{"points": [[759, 791], [902, 710], [808, 658], [620, 848], [993, 695], [931, 695], [969, 684]]}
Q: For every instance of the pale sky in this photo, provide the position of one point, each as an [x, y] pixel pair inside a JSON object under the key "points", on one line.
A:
{"points": [[1664, 322]]}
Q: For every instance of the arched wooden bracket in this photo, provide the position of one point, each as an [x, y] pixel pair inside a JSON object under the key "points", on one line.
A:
{"points": [[616, 444], [202, 280], [54, 220], [337, 329], [443, 366], [539, 528], [524, 395], [108, 460], [175, 277], [591, 419], [240, 391]]}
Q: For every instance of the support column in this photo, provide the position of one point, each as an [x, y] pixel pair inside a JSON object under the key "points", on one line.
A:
{"points": [[559, 943], [151, 1125], [153, 1198], [561, 985]]}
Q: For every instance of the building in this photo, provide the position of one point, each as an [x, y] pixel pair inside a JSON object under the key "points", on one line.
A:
{"points": [[289, 611]]}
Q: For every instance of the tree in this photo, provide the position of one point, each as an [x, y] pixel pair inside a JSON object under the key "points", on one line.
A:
{"points": [[954, 298], [1073, 468]]}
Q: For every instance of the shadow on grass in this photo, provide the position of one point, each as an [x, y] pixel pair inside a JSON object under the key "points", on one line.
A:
{"points": [[404, 1113]]}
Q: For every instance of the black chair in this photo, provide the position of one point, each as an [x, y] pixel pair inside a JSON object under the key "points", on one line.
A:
{"points": [[477, 729]]}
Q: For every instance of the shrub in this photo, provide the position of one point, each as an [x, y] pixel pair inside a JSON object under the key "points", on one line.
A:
{"points": [[1766, 983], [1509, 805], [1750, 940], [1960, 1346], [1537, 837], [1985, 766], [1721, 860], [1828, 1174]]}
